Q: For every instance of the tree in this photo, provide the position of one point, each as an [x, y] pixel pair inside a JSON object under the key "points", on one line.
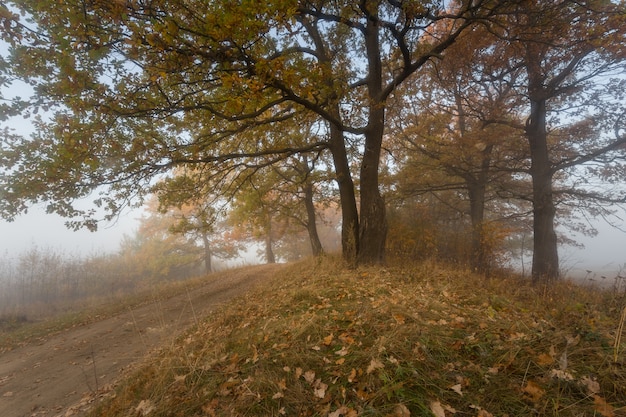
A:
{"points": [[198, 212], [138, 88], [445, 135], [568, 50], [256, 211]]}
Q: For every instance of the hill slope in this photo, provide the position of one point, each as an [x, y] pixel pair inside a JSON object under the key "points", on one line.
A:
{"points": [[62, 372], [422, 340]]}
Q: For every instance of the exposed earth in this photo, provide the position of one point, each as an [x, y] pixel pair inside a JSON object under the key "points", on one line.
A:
{"points": [[65, 374]]}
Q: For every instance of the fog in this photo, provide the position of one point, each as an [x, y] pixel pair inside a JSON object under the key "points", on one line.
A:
{"points": [[604, 254], [43, 230]]}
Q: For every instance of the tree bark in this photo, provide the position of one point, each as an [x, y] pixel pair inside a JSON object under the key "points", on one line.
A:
{"points": [[545, 266], [316, 244], [476, 193], [270, 258], [373, 225], [343, 176], [208, 267], [347, 197]]}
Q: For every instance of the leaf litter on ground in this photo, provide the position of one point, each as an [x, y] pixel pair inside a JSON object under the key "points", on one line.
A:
{"points": [[324, 340]]}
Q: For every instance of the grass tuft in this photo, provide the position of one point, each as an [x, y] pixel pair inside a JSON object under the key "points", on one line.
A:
{"points": [[323, 340]]}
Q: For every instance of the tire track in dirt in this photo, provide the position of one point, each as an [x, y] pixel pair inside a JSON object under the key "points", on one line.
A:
{"points": [[64, 374]]}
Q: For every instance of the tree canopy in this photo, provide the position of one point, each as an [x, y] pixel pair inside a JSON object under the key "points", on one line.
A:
{"points": [[132, 90]]}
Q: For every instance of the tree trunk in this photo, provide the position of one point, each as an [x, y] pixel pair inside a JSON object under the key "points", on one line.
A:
{"points": [[270, 258], [477, 189], [545, 252], [349, 214], [347, 197], [478, 259], [373, 225], [316, 244], [208, 267]]}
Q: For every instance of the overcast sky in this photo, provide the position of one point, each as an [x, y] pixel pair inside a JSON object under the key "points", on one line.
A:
{"points": [[48, 231]]}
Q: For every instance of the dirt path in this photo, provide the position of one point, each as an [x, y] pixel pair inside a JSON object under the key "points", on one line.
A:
{"points": [[66, 373]]}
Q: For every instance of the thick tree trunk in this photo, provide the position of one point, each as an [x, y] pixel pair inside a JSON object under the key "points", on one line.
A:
{"points": [[316, 244], [347, 197], [373, 225], [545, 250], [478, 260]]}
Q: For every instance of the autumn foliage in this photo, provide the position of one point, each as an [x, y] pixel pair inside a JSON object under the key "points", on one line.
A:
{"points": [[417, 340]]}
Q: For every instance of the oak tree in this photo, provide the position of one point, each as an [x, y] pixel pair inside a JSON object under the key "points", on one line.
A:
{"points": [[134, 89]]}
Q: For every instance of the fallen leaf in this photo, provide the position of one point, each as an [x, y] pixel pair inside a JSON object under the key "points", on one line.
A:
{"points": [[534, 391], [603, 407], [400, 410], [282, 384], [340, 361], [560, 374], [374, 365], [144, 408], [309, 376], [342, 352], [399, 318], [593, 387], [352, 376], [320, 389], [545, 359], [343, 411], [328, 339], [277, 396], [458, 389], [298, 373], [437, 409]]}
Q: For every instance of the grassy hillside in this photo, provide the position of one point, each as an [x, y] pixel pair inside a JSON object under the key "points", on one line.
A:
{"points": [[420, 340]]}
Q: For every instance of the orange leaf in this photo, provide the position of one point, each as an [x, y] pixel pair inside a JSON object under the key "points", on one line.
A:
{"points": [[534, 391], [603, 407]]}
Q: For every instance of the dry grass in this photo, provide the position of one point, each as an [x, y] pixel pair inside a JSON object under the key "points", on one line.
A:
{"points": [[323, 340], [31, 324]]}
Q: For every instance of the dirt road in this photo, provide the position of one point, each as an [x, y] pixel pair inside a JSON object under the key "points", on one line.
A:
{"points": [[66, 373]]}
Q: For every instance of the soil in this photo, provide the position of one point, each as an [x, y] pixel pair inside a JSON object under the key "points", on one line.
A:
{"points": [[67, 373]]}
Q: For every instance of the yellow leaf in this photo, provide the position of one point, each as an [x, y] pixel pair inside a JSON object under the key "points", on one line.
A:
{"points": [[340, 361], [328, 339]]}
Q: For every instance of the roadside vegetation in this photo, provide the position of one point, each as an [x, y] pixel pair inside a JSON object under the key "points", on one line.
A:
{"points": [[411, 340]]}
